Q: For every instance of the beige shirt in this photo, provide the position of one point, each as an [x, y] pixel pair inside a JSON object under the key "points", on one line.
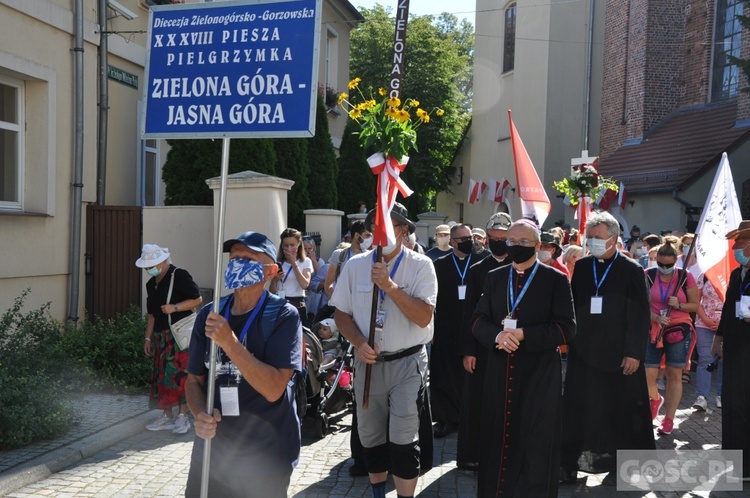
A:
{"points": [[353, 296]]}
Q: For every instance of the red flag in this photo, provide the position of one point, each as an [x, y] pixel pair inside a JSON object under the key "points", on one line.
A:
{"points": [[720, 215], [583, 211], [622, 196], [534, 200], [482, 188]]}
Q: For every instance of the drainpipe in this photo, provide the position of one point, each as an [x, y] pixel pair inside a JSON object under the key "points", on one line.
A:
{"points": [[680, 199], [77, 185], [101, 160], [586, 116]]}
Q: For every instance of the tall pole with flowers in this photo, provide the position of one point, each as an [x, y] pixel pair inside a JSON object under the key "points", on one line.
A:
{"points": [[583, 186], [390, 127]]}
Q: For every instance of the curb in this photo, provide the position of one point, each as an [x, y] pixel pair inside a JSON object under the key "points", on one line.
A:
{"points": [[57, 460]]}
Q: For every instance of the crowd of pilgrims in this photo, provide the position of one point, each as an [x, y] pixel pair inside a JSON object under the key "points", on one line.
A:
{"points": [[613, 328]]}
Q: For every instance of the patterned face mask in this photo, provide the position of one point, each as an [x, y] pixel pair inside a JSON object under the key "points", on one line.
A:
{"points": [[242, 273]]}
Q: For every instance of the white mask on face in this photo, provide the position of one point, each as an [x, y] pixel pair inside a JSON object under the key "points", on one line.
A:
{"points": [[390, 248], [443, 242], [597, 247], [544, 256], [652, 263], [365, 244]]}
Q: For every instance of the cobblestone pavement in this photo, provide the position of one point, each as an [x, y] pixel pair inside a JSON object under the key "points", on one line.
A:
{"points": [[148, 464]]}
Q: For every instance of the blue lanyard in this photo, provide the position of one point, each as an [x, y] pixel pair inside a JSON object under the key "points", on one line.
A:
{"points": [[664, 293], [291, 270], [250, 319], [381, 293], [596, 277], [466, 268], [512, 289]]}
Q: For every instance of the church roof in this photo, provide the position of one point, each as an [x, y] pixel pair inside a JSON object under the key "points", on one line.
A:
{"points": [[678, 150]]}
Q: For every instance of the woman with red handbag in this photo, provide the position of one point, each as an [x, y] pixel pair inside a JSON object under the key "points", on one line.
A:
{"points": [[674, 296]]}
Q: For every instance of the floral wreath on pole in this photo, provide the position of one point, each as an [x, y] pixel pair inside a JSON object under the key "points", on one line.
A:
{"points": [[388, 127], [584, 182]]}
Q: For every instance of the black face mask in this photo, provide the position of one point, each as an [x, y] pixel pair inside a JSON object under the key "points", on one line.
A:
{"points": [[465, 246], [520, 254], [498, 248]]}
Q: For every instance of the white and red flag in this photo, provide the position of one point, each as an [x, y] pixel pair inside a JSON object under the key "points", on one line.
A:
{"points": [[388, 170], [534, 201], [605, 199], [473, 191], [499, 189], [583, 211], [622, 195], [721, 214]]}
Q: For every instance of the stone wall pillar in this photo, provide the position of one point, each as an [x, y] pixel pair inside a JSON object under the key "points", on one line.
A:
{"points": [[327, 223]]}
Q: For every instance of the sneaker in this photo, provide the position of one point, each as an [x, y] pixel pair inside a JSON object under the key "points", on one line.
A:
{"points": [[162, 423], [718, 401], [700, 403], [655, 406], [666, 426], [181, 424]]}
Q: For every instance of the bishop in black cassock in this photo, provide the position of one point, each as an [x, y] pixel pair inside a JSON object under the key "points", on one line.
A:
{"points": [[522, 391]]}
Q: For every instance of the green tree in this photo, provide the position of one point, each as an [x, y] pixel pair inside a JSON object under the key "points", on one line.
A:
{"points": [[355, 181], [321, 182], [191, 162], [438, 73], [292, 163]]}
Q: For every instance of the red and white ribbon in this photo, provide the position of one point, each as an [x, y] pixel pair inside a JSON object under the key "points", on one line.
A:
{"points": [[388, 170]]}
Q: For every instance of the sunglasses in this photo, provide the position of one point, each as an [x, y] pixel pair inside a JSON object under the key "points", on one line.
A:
{"points": [[665, 265]]}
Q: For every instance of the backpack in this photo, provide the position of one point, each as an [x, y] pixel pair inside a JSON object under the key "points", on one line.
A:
{"points": [[273, 306], [342, 258]]}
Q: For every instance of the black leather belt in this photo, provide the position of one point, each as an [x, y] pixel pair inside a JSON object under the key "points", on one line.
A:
{"points": [[295, 299], [401, 354]]}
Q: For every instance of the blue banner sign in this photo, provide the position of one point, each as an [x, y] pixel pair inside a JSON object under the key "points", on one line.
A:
{"points": [[236, 69]]}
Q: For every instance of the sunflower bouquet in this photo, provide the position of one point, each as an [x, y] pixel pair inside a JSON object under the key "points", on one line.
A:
{"points": [[386, 124], [584, 181]]}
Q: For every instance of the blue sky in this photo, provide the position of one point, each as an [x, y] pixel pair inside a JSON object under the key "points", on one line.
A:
{"points": [[462, 9]]}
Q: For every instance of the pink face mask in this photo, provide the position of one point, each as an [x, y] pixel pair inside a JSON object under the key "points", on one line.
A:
{"points": [[290, 250]]}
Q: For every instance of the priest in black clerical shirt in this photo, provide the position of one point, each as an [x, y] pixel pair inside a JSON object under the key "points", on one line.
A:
{"points": [[446, 371], [606, 405], [474, 356], [524, 315]]}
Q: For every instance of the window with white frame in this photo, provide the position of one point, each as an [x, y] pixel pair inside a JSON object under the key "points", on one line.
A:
{"points": [[149, 171], [332, 59], [725, 77], [11, 143], [509, 40]]}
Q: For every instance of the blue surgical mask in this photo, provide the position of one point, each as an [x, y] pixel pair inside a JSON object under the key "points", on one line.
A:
{"points": [[665, 271], [243, 273], [154, 272], [739, 255]]}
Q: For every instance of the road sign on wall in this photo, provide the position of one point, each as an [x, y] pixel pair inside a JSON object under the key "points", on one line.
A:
{"points": [[232, 69]]}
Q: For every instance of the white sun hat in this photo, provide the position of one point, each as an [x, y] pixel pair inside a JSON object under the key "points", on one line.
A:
{"points": [[152, 255]]}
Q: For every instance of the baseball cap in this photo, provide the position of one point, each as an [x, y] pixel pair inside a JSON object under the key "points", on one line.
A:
{"points": [[255, 241], [442, 229], [478, 231]]}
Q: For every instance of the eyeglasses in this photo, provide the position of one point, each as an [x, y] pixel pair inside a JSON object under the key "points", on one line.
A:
{"points": [[665, 265], [462, 239], [522, 242]]}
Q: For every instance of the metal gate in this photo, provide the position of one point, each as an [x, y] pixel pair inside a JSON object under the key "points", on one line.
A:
{"points": [[113, 243]]}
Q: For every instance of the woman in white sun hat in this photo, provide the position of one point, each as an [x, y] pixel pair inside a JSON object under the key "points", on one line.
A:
{"points": [[170, 363]]}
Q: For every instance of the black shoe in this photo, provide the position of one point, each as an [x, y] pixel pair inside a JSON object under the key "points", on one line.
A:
{"points": [[357, 470], [442, 430], [568, 476]]}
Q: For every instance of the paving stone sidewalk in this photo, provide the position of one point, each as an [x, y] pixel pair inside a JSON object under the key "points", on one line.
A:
{"points": [[145, 464]]}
